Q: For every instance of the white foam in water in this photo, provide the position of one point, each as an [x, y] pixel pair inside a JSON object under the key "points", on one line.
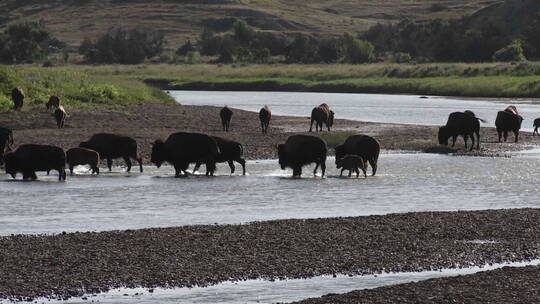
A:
{"points": [[261, 291]]}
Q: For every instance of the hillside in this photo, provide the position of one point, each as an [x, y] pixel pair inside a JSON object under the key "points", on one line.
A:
{"points": [[72, 20]]}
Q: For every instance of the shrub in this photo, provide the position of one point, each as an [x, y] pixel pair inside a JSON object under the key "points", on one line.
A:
{"points": [[356, 50], [512, 52]]}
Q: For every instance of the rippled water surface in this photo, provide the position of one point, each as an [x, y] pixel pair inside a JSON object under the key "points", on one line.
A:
{"points": [[407, 182], [407, 109]]}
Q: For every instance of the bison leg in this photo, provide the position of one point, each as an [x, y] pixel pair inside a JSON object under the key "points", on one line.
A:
{"points": [[505, 135], [316, 167], [323, 167], [357, 172], [242, 162], [373, 163], [535, 130], [297, 171], [95, 169], [478, 142], [197, 166], [311, 126], [61, 174], [350, 172], [472, 141], [516, 135], [454, 141], [231, 165], [71, 169], [128, 163], [465, 138], [341, 174], [139, 160]]}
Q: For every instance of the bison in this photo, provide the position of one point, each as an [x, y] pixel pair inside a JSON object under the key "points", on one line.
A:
{"points": [[301, 150], [508, 120], [82, 156], [229, 151], [460, 123], [60, 116], [111, 146], [226, 114], [321, 114], [352, 163], [17, 95], [27, 159], [367, 147], [182, 148], [536, 124], [53, 103], [264, 116], [6, 141]]}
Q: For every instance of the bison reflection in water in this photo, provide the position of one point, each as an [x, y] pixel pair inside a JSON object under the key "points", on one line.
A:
{"points": [[319, 115], [367, 147], [508, 120], [182, 148], [464, 124], [229, 151], [28, 159], [301, 150], [111, 146]]}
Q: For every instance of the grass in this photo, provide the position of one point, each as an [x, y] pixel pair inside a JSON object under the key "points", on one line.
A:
{"points": [[335, 138]]}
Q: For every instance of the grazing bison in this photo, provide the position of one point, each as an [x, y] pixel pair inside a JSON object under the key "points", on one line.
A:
{"points": [[53, 103], [182, 148], [460, 123], [366, 147], [111, 146], [226, 115], [60, 116], [27, 159], [229, 151], [6, 141], [82, 156], [352, 163], [508, 120], [17, 95], [264, 116], [536, 124], [321, 114], [301, 150]]}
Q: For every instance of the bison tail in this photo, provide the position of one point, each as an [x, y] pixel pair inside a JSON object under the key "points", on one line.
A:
{"points": [[481, 120]]}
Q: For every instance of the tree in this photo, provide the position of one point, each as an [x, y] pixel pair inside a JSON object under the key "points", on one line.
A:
{"points": [[185, 49], [356, 50], [243, 33], [511, 52]]}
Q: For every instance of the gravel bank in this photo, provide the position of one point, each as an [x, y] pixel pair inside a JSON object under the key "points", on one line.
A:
{"points": [[72, 264]]}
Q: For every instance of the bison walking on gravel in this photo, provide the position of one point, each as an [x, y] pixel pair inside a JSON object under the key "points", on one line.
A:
{"points": [[182, 148], [367, 147], [226, 115], [264, 116], [82, 156], [301, 150], [536, 124], [351, 163], [60, 116], [508, 120], [17, 95], [28, 159], [229, 151], [460, 123], [112, 146], [319, 115], [6, 141]]}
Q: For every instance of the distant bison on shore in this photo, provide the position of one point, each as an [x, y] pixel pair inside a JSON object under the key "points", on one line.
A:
{"points": [[82, 156], [226, 115], [60, 116], [229, 151], [265, 116], [508, 120], [28, 159], [319, 115], [17, 95], [367, 147], [464, 124], [351, 163], [182, 148], [112, 146], [301, 150]]}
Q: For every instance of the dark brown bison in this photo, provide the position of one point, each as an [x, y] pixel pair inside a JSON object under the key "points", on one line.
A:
{"points": [[60, 116], [53, 103], [264, 116], [6, 141], [301, 150], [82, 156], [460, 123], [319, 115], [536, 124], [182, 148], [27, 159], [352, 163], [229, 151], [226, 115], [111, 146], [367, 147], [508, 120], [17, 95]]}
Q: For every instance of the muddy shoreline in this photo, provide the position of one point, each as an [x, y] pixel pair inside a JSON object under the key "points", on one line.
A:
{"points": [[73, 264]]}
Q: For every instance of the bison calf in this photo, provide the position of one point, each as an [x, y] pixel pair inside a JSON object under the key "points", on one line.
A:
{"points": [[226, 115], [351, 163], [229, 151], [82, 156]]}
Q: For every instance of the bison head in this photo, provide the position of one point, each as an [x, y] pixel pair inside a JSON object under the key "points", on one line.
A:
{"points": [[86, 145], [11, 164], [330, 121], [282, 156], [340, 152], [158, 153], [443, 135]]}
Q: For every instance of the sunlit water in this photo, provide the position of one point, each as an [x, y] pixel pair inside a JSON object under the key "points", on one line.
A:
{"points": [[408, 109], [404, 183]]}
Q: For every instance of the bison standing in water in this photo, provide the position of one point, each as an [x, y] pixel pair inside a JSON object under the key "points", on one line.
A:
{"points": [[182, 148], [229, 151], [264, 116], [508, 120], [460, 123], [82, 156], [319, 115], [27, 159], [111, 146], [226, 115], [17, 95], [367, 147], [301, 150], [351, 163], [536, 124], [6, 141]]}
